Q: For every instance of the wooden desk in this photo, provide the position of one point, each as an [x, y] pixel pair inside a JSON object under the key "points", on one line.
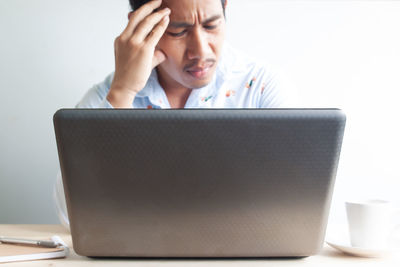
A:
{"points": [[328, 256]]}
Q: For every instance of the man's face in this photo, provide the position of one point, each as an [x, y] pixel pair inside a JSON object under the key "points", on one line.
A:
{"points": [[192, 42]]}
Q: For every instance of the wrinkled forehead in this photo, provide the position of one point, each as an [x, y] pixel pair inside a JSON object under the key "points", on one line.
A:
{"points": [[190, 10]]}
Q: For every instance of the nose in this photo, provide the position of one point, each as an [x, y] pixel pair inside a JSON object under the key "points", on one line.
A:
{"points": [[198, 47]]}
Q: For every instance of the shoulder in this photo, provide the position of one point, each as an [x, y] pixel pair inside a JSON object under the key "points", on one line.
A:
{"points": [[104, 86], [267, 82], [96, 95]]}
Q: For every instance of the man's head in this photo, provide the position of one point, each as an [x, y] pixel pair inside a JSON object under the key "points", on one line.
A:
{"points": [[192, 42]]}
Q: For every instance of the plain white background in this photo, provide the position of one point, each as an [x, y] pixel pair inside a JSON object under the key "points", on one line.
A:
{"points": [[341, 54]]}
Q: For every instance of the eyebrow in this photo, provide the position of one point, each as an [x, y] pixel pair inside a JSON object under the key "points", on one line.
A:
{"points": [[187, 25]]}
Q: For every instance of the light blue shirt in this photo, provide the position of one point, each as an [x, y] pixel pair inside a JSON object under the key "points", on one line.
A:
{"points": [[238, 82]]}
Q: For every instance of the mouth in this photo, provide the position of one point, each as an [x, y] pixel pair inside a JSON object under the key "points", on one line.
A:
{"points": [[200, 72]]}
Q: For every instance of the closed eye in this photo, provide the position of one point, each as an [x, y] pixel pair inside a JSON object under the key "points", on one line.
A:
{"points": [[177, 34], [210, 27]]}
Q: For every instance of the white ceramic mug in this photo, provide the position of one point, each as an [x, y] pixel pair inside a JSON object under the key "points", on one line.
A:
{"points": [[370, 223]]}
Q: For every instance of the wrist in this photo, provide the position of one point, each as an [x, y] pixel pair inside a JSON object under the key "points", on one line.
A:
{"points": [[120, 98]]}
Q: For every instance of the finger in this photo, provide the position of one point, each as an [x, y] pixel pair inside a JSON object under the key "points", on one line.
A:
{"points": [[158, 58], [139, 14], [148, 24], [158, 31]]}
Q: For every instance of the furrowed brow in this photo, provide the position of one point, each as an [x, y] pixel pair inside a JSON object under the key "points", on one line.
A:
{"points": [[174, 24]]}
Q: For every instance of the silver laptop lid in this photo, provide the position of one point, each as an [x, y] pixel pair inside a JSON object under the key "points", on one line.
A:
{"points": [[198, 183]]}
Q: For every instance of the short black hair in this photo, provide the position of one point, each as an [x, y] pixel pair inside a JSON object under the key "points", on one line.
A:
{"points": [[135, 4]]}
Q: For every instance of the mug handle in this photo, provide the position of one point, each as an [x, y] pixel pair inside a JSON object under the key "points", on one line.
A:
{"points": [[395, 232]]}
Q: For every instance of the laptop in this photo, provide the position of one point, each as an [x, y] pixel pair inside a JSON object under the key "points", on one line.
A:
{"points": [[198, 182]]}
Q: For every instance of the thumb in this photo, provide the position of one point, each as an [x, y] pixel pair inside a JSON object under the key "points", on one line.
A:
{"points": [[158, 58]]}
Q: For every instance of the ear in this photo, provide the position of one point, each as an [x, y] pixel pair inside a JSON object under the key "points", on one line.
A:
{"points": [[226, 4], [129, 15]]}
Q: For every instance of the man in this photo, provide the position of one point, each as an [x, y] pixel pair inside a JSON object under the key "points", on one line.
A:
{"points": [[172, 55]]}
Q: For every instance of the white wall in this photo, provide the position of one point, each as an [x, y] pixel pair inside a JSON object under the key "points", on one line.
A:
{"points": [[51, 52], [339, 54]]}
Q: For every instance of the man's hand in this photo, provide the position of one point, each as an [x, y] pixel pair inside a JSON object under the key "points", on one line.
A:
{"points": [[136, 54]]}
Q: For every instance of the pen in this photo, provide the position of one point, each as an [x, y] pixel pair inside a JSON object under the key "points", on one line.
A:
{"points": [[40, 243]]}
